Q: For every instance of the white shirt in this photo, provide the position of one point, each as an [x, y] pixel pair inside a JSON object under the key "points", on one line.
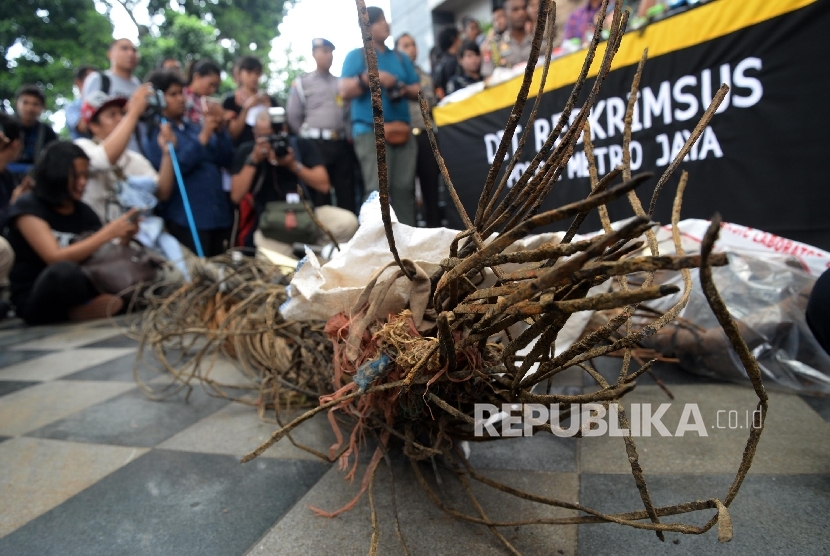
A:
{"points": [[102, 181]]}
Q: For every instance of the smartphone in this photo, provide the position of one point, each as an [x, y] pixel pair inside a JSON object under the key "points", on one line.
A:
{"points": [[136, 217], [209, 102]]}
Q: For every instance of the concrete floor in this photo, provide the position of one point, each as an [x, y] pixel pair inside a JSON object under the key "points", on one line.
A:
{"points": [[89, 465]]}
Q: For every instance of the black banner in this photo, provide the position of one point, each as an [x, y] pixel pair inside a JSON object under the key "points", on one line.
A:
{"points": [[760, 162]]}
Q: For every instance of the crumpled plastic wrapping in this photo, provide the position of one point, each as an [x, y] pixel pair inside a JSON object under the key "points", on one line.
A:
{"points": [[320, 291], [766, 287]]}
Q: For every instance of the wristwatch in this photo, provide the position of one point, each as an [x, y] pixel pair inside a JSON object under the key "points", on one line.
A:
{"points": [[299, 166], [250, 161]]}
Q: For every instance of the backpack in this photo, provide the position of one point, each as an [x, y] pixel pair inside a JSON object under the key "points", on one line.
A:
{"points": [[105, 83]]}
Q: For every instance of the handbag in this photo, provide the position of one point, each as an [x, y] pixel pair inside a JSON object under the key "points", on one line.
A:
{"points": [[115, 267], [287, 223], [283, 221], [396, 133]]}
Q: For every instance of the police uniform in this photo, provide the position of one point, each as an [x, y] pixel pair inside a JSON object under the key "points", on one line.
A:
{"points": [[504, 51], [316, 112]]}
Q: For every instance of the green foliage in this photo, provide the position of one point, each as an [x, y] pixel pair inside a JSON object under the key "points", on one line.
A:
{"points": [[221, 30], [56, 36], [183, 37], [245, 23], [288, 66], [43, 41]]}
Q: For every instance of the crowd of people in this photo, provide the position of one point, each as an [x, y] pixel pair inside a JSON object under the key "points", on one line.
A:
{"points": [[167, 163]]}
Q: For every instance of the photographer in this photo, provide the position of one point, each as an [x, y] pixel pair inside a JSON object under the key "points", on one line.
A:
{"points": [[110, 162], [267, 172], [202, 152]]}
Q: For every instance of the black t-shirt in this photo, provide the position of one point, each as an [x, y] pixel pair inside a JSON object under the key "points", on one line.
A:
{"points": [[27, 263], [458, 82], [229, 103], [7, 185], [276, 180], [446, 68]]}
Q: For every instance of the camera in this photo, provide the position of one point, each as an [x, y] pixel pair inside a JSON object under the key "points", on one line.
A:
{"points": [[277, 115], [395, 93], [155, 105], [279, 143]]}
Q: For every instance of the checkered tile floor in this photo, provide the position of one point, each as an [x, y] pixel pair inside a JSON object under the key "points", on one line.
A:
{"points": [[89, 465]]}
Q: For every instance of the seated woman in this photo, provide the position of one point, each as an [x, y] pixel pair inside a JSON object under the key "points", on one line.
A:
{"points": [[202, 152], [47, 283]]}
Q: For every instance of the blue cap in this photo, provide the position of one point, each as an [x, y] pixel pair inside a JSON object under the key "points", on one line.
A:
{"points": [[315, 43]]}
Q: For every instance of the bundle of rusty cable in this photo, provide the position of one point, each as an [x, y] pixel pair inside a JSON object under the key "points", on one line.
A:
{"points": [[401, 379], [230, 309]]}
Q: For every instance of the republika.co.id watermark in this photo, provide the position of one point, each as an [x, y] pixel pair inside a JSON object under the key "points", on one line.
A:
{"points": [[593, 419]]}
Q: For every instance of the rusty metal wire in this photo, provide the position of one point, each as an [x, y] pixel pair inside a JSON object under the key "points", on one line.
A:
{"points": [[230, 311], [413, 379]]}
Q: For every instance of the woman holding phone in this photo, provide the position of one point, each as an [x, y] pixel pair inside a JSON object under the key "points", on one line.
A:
{"points": [[203, 79], [242, 106], [45, 227]]}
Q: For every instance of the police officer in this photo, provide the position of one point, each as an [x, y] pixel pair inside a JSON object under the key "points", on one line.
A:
{"points": [[317, 112], [511, 47]]}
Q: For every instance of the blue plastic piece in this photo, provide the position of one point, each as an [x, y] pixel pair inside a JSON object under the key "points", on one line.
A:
{"points": [[185, 201], [371, 371]]}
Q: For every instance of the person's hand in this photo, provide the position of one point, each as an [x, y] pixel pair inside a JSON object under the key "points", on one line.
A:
{"points": [[250, 102], [212, 122], [262, 150], [240, 97], [288, 161], [165, 137], [4, 141], [138, 101], [210, 125], [25, 186], [264, 99], [387, 80], [215, 109], [125, 226]]}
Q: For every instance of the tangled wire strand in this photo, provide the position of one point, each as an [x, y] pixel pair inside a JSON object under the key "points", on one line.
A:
{"points": [[417, 380], [414, 377], [230, 309]]}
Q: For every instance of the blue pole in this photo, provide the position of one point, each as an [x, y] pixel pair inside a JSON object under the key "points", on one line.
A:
{"points": [[188, 212]]}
